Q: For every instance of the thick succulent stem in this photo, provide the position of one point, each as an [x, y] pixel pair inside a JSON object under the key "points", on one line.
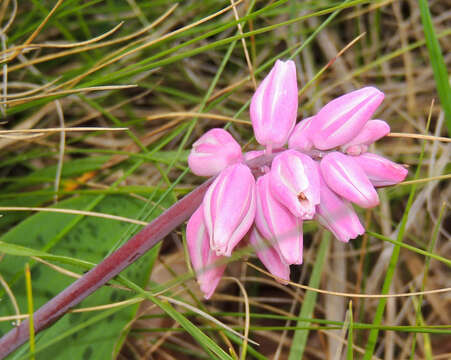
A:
{"points": [[111, 266]]}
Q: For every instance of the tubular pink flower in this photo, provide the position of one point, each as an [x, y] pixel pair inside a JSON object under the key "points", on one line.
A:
{"points": [[229, 208], [294, 182], [269, 257], [381, 171], [342, 119], [371, 132], [274, 105], [213, 152], [202, 257], [337, 215], [344, 176], [277, 224], [299, 138]]}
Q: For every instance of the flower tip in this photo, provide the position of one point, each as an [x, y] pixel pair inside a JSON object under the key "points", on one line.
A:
{"points": [[229, 208], [208, 287], [273, 109], [213, 152], [346, 178], [342, 119]]}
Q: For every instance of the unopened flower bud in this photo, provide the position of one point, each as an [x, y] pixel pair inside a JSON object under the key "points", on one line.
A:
{"points": [[269, 256], [342, 119], [299, 138], [381, 171], [274, 105], [277, 224], [213, 152], [371, 132], [203, 259], [294, 182], [344, 176], [337, 215], [229, 208]]}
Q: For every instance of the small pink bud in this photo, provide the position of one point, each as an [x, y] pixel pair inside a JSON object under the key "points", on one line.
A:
{"points": [[381, 171], [213, 152], [229, 208], [371, 132], [253, 154], [299, 138], [269, 256], [294, 182], [274, 105], [337, 215], [202, 257], [342, 119], [344, 176], [277, 224]]}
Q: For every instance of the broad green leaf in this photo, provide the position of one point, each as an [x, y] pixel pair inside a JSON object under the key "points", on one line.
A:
{"points": [[89, 241]]}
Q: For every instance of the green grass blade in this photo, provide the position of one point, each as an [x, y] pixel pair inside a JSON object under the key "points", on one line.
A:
{"points": [[300, 336], [372, 338], [437, 61], [349, 352]]}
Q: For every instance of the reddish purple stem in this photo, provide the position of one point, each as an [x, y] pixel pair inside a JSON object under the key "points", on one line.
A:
{"points": [[111, 266]]}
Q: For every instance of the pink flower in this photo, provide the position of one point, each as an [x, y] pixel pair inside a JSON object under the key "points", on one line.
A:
{"points": [[203, 259], [345, 177], [229, 208], [381, 171], [269, 256], [300, 138], [294, 182], [213, 152], [274, 105], [277, 224], [342, 119], [372, 131], [337, 215], [291, 186]]}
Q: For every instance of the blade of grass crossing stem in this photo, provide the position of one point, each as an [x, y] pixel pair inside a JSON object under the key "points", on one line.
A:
{"points": [[30, 309], [419, 317], [300, 336], [437, 62], [349, 353], [372, 338]]}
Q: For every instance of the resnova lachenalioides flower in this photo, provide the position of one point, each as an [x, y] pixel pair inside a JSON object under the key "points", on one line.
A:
{"points": [[325, 167]]}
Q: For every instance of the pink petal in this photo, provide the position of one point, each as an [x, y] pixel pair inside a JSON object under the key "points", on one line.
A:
{"points": [[371, 132], [342, 119], [381, 171], [269, 257], [337, 215], [276, 223], [294, 182], [274, 105], [300, 138], [344, 176], [229, 208], [202, 257], [213, 152]]}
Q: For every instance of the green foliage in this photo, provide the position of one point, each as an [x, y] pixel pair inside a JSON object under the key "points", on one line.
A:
{"points": [[89, 240]]}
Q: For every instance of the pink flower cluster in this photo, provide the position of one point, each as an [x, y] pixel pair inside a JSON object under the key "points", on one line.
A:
{"points": [[325, 168]]}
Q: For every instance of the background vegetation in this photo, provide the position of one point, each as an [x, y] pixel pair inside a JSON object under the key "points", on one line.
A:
{"points": [[142, 80]]}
